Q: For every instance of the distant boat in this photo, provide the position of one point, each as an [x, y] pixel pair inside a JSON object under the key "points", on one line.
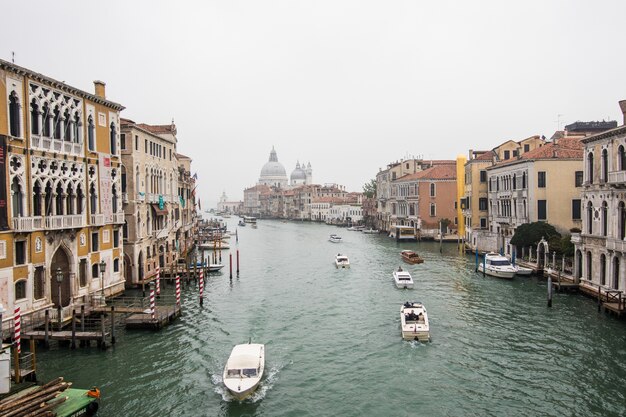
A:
{"points": [[411, 257], [370, 231], [335, 238], [403, 279], [242, 223], [244, 369]]}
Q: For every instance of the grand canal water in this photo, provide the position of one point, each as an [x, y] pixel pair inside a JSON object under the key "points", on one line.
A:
{"points": [[333, 340]]}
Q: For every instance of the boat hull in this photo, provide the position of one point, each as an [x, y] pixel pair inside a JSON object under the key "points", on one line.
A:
{"points": [[497, 273], [242, 395], [523, 271]]}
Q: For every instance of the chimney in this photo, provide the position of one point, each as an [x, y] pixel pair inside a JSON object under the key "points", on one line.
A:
{"points": [[99, 86], [471, 153], [622, 105]]}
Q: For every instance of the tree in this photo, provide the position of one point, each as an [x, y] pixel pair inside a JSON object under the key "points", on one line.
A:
{"points": [[369, 189], [530, 234]]}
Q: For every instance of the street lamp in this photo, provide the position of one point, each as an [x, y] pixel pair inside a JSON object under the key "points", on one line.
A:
{"points": [[59, 278], [103, 267]]}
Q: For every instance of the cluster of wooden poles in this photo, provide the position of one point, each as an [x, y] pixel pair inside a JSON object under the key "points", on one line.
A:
{"points": [[38, 402]]}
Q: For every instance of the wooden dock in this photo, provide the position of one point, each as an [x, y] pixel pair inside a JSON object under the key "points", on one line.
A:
{"points": [[163, 316]]}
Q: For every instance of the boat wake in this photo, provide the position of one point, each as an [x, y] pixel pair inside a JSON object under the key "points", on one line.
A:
{"points": [[265, 386]]}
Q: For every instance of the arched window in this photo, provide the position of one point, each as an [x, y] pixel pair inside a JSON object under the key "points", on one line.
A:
{"points": [[114, 198], [523, 180], [616, 274], [93, 199], [48, 199], [432, 189], [123, 179], [47, 119], [76, 128], [125, 230], [514, 181], [59, 200], [116, 265], [67, 126], [91, 134], [622, 220], [39, 283], [37, 199], [14, 115], [34, 117], [621, 158], [589, 270], [605, 165], [80, 199], [17, 196], [113, 140], [69, 200], [20, 289], [605, 216], [589, 218], [590, 168], [602, 269], [94, 271], [56, 123]]}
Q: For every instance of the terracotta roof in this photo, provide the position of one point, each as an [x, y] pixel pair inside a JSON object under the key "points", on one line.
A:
{"points": [[487, 156], [437, 172], [564, 148], [158, 129]]}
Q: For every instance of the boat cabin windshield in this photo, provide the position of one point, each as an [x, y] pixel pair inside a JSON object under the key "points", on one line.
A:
{"points": [[249, 372], [502, 262], [246, 372]]}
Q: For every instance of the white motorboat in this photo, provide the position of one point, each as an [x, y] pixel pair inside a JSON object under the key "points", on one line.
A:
{"points": [[342, 261], [521, 270], [215, 267], [244, 369], [497, 266], [414, 321], [402, 278], [370, 231], [335, 238]]}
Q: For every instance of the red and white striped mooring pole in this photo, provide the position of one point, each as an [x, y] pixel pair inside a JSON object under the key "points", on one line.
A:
{"points": [[17, 319], [178, 290], [158, 281], [152, 302], [201, 285]]}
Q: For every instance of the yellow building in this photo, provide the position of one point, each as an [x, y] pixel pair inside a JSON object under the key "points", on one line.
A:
{"points": [[60, 195], [475, 201]]}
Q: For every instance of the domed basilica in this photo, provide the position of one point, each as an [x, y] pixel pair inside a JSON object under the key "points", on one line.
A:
{"points": [[273, 173]]}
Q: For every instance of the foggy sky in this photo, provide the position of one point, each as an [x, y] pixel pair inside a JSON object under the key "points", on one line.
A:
{"points": [[349, 85]]}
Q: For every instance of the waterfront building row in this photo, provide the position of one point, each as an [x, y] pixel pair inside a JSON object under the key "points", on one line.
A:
{"points": [[73, 180]]}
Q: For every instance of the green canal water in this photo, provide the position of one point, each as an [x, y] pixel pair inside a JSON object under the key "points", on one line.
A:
{"points": [[333, 345]]}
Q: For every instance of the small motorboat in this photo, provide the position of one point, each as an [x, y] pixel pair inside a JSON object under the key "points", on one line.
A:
{"points": [[210, 267], [521, 270], [215, 267], [370, 231], [342, 261], [241, 223], [411, 257], [335, 238], [497, 266], [402, 278], [414, 321], [244, 369]]}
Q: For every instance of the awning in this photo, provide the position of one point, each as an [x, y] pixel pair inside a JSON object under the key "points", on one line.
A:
{"points": [[158, 211]]}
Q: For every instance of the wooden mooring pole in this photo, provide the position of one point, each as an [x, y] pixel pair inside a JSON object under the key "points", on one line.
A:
{"points": [[46, 340], [231, 265], [112, 325], [237, 263], [73, 344], [549, 291]]}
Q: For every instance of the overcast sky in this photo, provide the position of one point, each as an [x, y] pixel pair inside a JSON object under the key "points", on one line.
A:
{"points": [[349, 85]]}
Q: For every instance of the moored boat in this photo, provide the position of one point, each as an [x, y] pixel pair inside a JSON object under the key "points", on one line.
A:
{"points": [[244, 369], [414, 321], [411, 257], [403, 279], [370, 231], [497, 266], [342, 261], [521, 270]]}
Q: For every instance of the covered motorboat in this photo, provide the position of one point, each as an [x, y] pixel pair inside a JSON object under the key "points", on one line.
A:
{"points": [[244, 369]]}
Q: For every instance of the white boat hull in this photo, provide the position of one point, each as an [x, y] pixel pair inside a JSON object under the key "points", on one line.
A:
{"points": [[243, 359], [403, 279], [341, 265], [498, 273], [520, 270], [413, 329]]}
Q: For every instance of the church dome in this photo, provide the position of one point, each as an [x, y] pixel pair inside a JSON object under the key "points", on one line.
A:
{"points": [[298, 173], [273, 168]]}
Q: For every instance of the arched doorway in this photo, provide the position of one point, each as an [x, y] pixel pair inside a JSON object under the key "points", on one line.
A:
{"points": [[615, 283], [589, 270], [128, 270], [140, 267], [542, 249], [579, 264], [60, 260], [602, 269]]}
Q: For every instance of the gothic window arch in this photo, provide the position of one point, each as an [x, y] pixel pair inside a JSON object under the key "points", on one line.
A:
{"points": [[113, 138], [605, 165], [603, 269], [589, 218], [67, 126], [56, 123], [621, 158], [34, 117], [605, 219], [37, 198], [15, 128], [17, 197], [80, 199], [76, 128], [46, 120], [93, 199], [590, 167], [91, 134]]}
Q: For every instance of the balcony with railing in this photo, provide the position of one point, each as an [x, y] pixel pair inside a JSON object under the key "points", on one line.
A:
{"points": [[56, 145], [141, 197], [69, 221], [617, 178], [97, 220], [28, 224], [614, 244], [118, 218]]}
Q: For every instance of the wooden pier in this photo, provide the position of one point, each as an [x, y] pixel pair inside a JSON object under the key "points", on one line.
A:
{"points": [[163, 315]]}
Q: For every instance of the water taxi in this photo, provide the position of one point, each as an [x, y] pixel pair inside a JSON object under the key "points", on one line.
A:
{"points": [[244, 369], [335, 238], [414, 322], [402, 278], [342, 261], [411, 257], [497, 266]]}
